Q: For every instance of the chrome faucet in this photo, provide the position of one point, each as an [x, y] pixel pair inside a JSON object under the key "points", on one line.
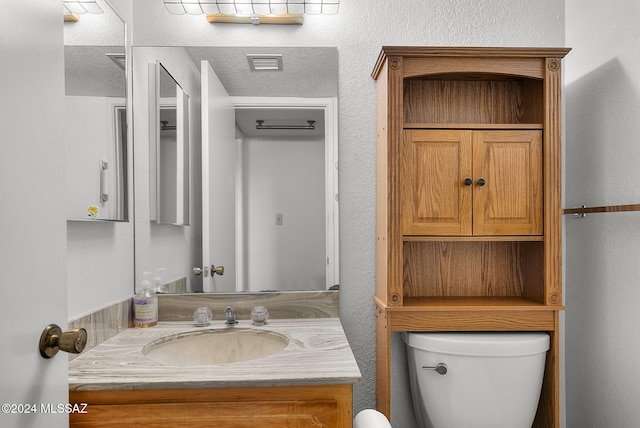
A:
{"points": [[230, 315]]}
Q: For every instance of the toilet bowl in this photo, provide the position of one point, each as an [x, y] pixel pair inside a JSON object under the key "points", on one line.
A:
{"points": [[370, 418], [476, 380]]}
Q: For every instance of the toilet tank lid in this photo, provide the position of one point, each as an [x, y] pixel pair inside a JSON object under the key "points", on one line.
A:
{"points": [[480, 344]]}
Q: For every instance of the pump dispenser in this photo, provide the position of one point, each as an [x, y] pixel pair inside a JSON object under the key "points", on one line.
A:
{"points": [[145, 304]]}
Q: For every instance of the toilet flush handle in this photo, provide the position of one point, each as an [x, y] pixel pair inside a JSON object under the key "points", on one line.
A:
{"points": [[441, 368]]}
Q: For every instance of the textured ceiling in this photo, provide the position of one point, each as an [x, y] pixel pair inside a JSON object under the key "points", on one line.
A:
{"points": [[88, 71], [309, 72]]}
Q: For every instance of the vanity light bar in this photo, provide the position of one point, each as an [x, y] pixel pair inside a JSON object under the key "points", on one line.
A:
{"points": [[71, 17], [287, 19], [311, 125], [250, 8]]}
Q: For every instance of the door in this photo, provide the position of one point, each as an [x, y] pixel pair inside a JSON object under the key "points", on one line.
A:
{"points": [[218, 183], [33, 215], [507, 189], [436, 190]]}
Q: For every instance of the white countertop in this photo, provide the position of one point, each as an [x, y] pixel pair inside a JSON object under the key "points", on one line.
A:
{"points": [[318, 354]]}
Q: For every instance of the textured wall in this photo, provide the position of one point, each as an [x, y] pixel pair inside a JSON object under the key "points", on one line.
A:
{"points": [[602, 157], [359, 30]]}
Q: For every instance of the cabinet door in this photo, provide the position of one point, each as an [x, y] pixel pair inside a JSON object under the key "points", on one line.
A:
{"points": [[507, 188], [435, 198]]}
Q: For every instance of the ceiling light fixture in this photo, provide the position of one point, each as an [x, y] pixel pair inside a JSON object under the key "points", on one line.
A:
{"points": [[250, 8], [218, 18], [80, 7]]}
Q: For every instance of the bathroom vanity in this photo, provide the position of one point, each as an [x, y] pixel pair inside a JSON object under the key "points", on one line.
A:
{"points": [[468, 198], [306, 384]]}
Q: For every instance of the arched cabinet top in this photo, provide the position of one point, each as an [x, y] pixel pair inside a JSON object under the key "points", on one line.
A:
{"points": [[427, 61]]}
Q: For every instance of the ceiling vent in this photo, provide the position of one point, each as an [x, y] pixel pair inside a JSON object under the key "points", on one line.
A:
{"points": [[265, 62]]}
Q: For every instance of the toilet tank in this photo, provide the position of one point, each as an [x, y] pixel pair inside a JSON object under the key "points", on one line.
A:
{"points": [[476, 380]]}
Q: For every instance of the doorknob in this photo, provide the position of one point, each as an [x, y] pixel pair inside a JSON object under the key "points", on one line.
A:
{"points": [[53, 339], [197, 270]]}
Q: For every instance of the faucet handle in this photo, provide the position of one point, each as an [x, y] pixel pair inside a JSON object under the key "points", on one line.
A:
{"points": [[259, 315], [202, 317]]}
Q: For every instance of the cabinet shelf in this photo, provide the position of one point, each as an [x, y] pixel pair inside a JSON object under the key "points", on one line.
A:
{"points": [[468, 314], [538, 126], [464, 303], [487, 238]]}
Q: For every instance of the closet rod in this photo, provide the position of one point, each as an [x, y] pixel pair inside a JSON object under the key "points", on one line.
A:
{"points": [[604, 209]]}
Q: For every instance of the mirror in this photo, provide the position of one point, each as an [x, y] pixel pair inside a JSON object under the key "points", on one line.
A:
{"points": [[100, 254], [96, 118], [273, 96], [171, 150]]}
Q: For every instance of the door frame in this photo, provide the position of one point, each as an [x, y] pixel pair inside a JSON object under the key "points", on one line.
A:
{"points": [[330, 107]]}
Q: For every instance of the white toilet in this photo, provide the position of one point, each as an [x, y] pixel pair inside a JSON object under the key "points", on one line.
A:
{"points": [[370, 418], [476, 380]]}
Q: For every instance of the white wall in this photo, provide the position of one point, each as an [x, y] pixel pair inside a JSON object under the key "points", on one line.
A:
{"points": [[285, 176], [602, 157], [359, 30], [175, 248]]}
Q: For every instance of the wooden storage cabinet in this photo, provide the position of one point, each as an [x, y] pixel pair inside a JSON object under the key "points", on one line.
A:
{"points": [[463, 182], [468, 198]]}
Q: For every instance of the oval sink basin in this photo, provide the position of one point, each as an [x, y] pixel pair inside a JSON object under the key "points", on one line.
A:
{"points": [[213, 347]]}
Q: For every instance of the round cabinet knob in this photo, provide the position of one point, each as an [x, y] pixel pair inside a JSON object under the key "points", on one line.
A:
{"points": [[468, 182], [481, 182]]}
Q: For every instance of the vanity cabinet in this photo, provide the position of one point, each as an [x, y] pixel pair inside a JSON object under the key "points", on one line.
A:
{"points": [[311, 406], [468, 208]]}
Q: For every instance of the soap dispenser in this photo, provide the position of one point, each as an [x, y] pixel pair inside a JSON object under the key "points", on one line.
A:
{"points": [[145, 304]]}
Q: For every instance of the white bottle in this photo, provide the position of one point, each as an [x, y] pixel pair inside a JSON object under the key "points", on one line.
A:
{"points": [[145, 304]]}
